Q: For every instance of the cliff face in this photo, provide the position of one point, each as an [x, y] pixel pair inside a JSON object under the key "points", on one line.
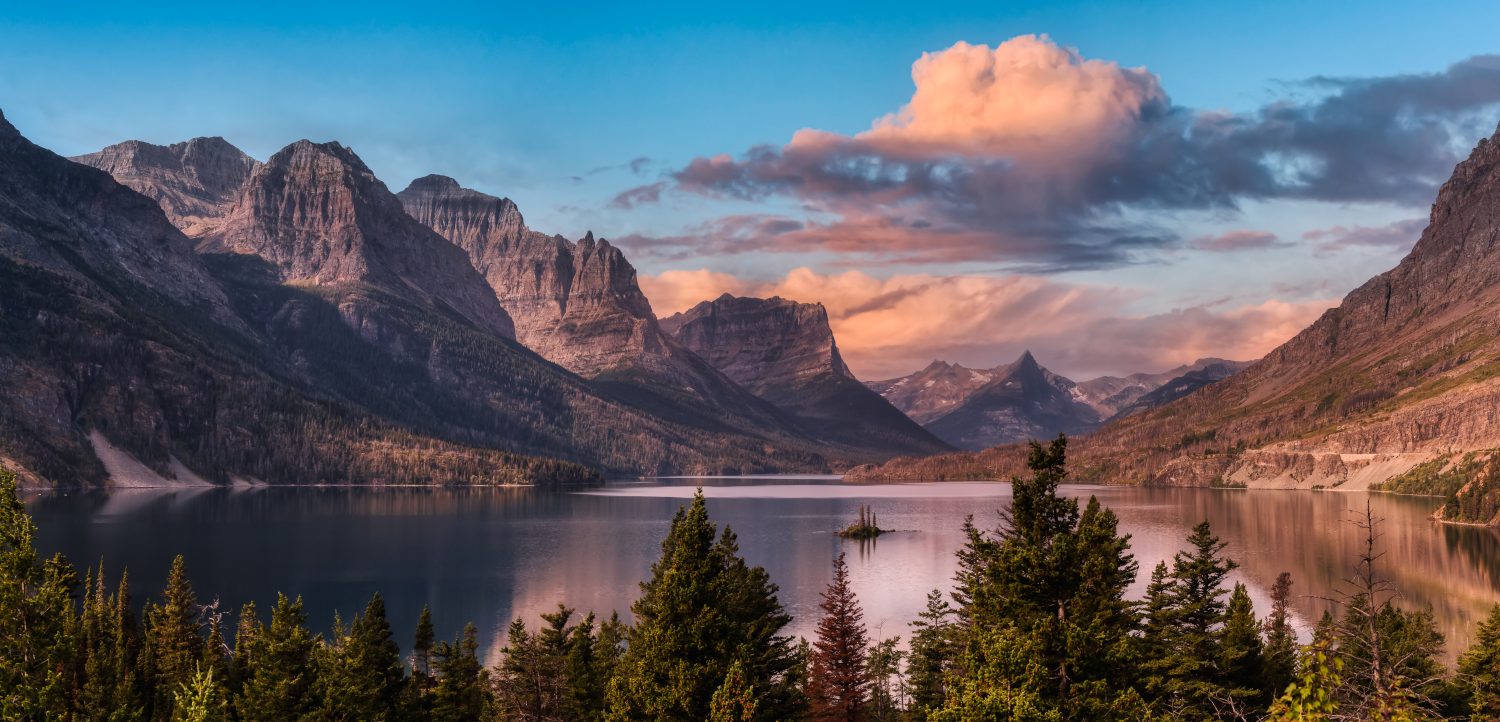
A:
{"points": [[195, 182], [319, 215], [785, 353], [577, 304]]}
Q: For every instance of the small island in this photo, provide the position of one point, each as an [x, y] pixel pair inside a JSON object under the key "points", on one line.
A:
{"points": [[863, 528]]}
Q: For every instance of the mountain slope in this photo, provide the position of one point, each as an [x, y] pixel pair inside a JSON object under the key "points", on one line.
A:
{"points": [[784, 352], [195, 182], [121, 347], [1183, 381], [937, 389]]}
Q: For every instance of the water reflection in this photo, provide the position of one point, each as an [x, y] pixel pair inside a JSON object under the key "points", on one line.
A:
{"points": [[491, 554]]}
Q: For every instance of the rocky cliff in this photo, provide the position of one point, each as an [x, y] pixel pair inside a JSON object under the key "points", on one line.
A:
{"points": [[785, 353], [320, 216], [195, 182]]}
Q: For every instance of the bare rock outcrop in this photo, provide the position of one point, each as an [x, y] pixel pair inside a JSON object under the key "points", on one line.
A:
{"points": [[195, 182]]}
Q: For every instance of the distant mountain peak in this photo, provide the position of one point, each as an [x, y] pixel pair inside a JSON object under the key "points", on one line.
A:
{"points": [[194, 182]]}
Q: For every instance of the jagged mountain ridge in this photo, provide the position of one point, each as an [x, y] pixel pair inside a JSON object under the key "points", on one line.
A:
{"points": [[784, 352], [1020, 403], [195, 181]]}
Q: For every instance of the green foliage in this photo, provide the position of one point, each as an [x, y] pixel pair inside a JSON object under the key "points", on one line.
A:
{"points": [[461, 680], [174, 646], [1280, 651], [934, 652], [1479, 669], [702, 610], [37, 626], [360, 675], [280, 677], [1057, 579], [200, 699], [1311, 697], [734, 700]]}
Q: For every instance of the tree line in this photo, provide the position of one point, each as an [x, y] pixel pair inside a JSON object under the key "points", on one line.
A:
{"points": [[1037, 628]]}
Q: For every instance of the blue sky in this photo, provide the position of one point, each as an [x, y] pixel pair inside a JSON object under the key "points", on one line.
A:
{"points": [[550, 103]]}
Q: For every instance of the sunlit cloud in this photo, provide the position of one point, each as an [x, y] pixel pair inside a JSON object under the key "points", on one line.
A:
{"points": [[1030, 155]]}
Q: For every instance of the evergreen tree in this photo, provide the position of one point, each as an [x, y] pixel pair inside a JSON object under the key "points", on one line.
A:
{"points": [[361, 676], [1058, 577], [245, 632], [419, 684], [1196, 686], [887, 689], [1479, 669], [734, 700], [200, 699], [173, 643], [531, 685], [37, 625], [1313, 695], [1281, 639], [108, 685], [586, 670], [702, 610], [933, 655], [459, 692], [279, 676], [838, 680], [1241, 655]]}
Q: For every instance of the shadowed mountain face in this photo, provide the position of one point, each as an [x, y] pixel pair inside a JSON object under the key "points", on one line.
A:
{"points": [[784, 352], [195, 182], [124, 356]]}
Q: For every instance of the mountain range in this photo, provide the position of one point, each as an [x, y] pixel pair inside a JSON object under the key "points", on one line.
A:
{"points": [[1397, 386], [186, 314], [979, 408]]}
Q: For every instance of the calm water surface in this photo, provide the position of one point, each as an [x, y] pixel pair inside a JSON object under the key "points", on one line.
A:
{"points": [[490, 555]]}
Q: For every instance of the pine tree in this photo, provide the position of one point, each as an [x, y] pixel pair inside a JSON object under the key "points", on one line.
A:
{"points": [[200, 699], [1184, 631], [887, 688], [933, 655], [702, 610], [459, 692], [247, 628], [838, 680], [1281, 639], [1479, 669], [1240, 654], [1058, 577], [734, 700], [38, 629], [173, 643], [280, 676], [361, 676], [531, 685]]}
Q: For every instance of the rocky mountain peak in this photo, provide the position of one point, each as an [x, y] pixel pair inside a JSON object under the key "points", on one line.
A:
{"points": [[319, 214], [195, 182], [760, 342]]}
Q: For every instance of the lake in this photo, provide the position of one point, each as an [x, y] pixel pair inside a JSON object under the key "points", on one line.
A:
{"points": [[490, 555]]}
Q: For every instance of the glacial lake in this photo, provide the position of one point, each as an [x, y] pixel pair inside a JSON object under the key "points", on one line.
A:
{"points": [[490, 555]]}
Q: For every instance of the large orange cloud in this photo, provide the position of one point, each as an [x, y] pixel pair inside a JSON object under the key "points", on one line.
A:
{"points": [[892, 326]]}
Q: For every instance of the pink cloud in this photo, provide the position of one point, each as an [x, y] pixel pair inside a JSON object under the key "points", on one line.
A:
{"points": [[1236, 241]]}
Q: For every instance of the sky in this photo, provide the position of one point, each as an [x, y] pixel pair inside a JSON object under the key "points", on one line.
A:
{"points": [[1117, 187]]}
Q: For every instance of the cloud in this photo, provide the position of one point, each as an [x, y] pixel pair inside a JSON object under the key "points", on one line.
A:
{"points": [[1237, 241], [890, 327], [1031, 155], [638, 195], [1398, 236]]}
